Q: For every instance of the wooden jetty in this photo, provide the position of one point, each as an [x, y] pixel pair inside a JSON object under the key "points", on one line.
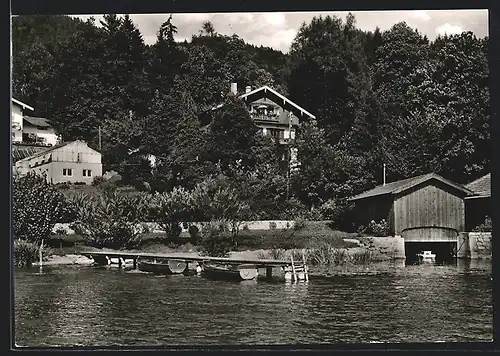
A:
{"points": [[121, 259]]}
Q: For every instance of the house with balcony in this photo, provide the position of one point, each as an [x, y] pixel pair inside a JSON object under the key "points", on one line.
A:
{"points": [[31, 130], [39, 130], [18, 108], [275, 115], [69, 162]]}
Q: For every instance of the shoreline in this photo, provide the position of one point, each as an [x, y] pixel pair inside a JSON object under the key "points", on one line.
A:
{"points": [[314, 270]]}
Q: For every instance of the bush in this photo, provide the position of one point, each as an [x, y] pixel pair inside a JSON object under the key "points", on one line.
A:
{"points": [[216, 239], [61, 231], [38, 206], [110, 219], [170, 210], [300, 223], [380, 229], [361, 230], [484, 227], [26, 253], [194, 234], [98, 180]]}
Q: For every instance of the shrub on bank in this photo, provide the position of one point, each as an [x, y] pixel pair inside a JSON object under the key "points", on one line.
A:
{"points": [[38, 206], [216, 238], [485, 226], [379, 229], [26, 253], [109, 219], [170, 210]]}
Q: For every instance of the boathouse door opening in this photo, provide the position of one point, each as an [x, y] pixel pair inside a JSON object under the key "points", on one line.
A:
{"points": [[445, 251]]}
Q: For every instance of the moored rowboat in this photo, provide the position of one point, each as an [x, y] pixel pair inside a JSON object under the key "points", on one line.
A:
{"points": [[162, 267], [239, 272]]}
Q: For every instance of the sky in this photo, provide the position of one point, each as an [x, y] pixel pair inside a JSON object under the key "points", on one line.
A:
{"points": [[278, 29]]}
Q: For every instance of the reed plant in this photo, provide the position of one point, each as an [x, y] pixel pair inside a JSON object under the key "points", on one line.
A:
{"points": [[26, 253]]}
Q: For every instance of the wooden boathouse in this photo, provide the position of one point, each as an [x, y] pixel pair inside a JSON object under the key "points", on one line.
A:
{"points": [[426, 208]]}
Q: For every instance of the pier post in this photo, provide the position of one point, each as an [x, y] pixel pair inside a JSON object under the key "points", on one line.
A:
{"points": [[269, 272]]}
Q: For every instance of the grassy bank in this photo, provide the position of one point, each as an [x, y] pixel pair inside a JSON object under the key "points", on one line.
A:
{"points": [[313, 234]]}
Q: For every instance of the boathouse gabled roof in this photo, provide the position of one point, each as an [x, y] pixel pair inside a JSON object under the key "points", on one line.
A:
{"points": [[481, 187], [266, 91], [405, 184]]}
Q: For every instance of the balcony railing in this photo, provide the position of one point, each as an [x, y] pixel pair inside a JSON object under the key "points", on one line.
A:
{"points": [[269, 117]]}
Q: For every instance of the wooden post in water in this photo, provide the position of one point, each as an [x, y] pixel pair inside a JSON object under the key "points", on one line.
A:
{"points": [[269, 272], [305, 266], [40, 254], [293, 269]]}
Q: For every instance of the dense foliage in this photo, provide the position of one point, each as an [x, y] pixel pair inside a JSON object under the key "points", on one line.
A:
{"points": [[37, 207], [391, 97], [109, 219]]}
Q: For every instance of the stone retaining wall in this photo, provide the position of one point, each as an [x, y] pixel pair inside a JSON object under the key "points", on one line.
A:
{"points": [[474, 245], [384, 248], [251, 225]]}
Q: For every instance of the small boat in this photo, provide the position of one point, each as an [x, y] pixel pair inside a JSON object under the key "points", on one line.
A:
{"points": [[426, 256], [162, 267], [242, 272]]}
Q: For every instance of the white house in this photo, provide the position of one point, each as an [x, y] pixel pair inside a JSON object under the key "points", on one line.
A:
{"points": [[18, 109], [39, 130], [73, 162], [29, 129]]}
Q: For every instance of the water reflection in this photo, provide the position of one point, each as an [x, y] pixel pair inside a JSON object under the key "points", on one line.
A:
{"points": [[391, 302]]}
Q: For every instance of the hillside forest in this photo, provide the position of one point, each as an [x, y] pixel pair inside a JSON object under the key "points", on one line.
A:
{"points": [[389, 97]]}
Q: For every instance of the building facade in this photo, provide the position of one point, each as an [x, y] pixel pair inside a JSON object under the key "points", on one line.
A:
{"points": [[478, 206], [18, 109], [71, 162], [39, 130], [31, 130], [424, 208], [274, 114]]}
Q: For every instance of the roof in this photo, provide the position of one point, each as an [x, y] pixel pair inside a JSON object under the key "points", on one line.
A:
{"points": [[405, 184], [481, 186], [20, 152], [20, 103], [38, 121], [265, 89]]}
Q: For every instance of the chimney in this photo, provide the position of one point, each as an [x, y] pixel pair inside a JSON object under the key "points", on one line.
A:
{"points": [[234, 88], [248, 89]]}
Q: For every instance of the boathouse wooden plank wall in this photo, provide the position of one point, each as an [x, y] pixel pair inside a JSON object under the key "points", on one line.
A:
{"points": [[431, 211], [425, 208], [375, 208]]}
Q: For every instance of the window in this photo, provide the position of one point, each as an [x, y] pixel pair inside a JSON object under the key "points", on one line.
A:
{"points": [[87, 173], [67, 172], [275, 132]]}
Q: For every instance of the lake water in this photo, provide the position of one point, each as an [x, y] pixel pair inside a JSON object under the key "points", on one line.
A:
{"points": [[87, 306]]}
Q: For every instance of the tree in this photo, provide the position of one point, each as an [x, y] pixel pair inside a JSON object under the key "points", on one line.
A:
{"points": [[38, 206], [171, 209], [208, 28], [328, 73], [232, 134], [165, 58]]}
